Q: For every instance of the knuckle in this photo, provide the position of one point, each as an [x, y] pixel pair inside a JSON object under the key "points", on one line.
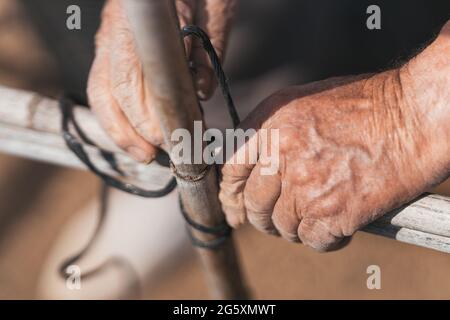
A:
{"points": [[287, 230], [222, 197], [232, 207], [262, 221], [316, 234]]}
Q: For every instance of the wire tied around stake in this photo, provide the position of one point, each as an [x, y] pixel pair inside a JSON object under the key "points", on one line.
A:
{"points": [[222, 231]]}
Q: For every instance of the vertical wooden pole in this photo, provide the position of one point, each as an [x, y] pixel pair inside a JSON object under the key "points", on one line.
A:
{"points": [[169, 80]]}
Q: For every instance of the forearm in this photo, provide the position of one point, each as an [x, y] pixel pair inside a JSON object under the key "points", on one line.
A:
{"points": [[426, 78], [425, 82]]}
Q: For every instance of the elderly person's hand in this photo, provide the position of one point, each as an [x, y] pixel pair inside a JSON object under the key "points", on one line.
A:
{"points": [[116, 89], [350, 149]]}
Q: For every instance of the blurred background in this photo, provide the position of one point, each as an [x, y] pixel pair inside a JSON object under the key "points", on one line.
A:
{"points": [[275, 43]]}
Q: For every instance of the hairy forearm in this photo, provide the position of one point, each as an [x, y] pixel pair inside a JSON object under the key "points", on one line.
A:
{"points": [[413, 112], [426, 81]]}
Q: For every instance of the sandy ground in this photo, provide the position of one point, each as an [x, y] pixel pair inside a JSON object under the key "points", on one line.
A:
{"points": [[37, 199]]}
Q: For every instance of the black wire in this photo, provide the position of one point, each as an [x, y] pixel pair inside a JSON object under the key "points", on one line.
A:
{"points": [[217, 67], [114, 261], [222, 231], [66, 104], [102, 216], [72, 142]]}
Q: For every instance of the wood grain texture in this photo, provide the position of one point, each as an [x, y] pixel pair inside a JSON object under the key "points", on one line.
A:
{"points": [[30, 127], [424, 222], [414, 237]]}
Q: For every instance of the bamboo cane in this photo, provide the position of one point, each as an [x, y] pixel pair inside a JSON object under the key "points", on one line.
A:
{"points": [[168, 77]]}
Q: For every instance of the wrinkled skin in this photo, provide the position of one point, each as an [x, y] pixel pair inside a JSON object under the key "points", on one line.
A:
{"points": [[351, 149], [116, 88]]}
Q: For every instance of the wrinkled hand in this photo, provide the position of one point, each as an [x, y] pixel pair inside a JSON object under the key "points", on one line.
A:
{"points": [[350, 149], [116, 88]]}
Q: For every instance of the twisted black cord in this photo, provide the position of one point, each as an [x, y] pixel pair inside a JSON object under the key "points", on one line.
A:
{"points": [[103, 210], [222, 231], [114, 261], [217, 67], [77, 148]]}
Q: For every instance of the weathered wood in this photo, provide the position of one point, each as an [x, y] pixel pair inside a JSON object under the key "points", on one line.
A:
{"points": [[414, 237], [424, 222], [169, 79], [429, 214], [30, 127], [29, 110]]}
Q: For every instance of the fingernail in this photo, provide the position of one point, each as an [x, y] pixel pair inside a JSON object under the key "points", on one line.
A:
{"points": [[139, 155]]}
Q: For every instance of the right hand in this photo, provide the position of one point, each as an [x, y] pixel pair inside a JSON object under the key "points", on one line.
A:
{"points": [[117, 90]]}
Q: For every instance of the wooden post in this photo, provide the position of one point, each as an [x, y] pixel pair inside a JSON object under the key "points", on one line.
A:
{"points": [[167, 75], [30, 127]]}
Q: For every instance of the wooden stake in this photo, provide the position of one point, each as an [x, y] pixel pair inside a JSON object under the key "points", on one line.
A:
{"points": [[169, 80]]}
